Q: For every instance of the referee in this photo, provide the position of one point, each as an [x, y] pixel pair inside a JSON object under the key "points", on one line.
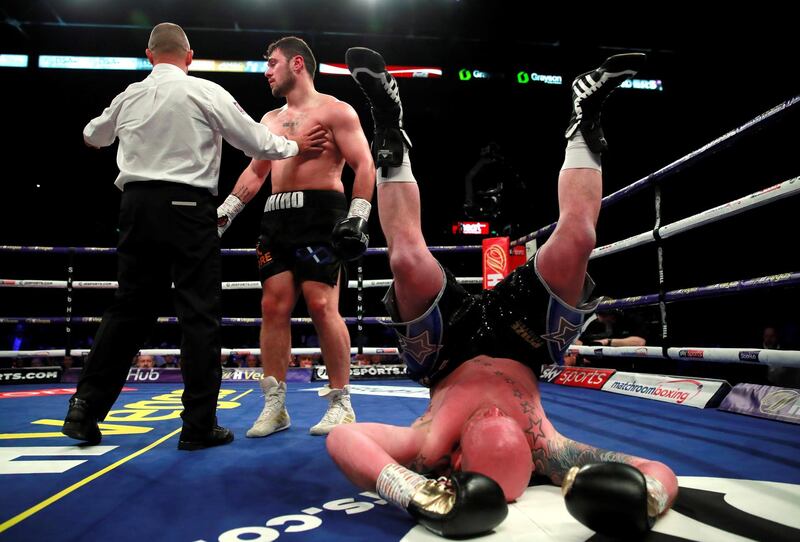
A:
{"points": [[170, 128]]}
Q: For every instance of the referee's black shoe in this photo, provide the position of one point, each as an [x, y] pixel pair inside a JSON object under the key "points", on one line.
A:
{"points": [[216, 437], [80, 423]]}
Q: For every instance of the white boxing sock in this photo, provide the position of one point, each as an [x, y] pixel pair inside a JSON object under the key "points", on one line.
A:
{"points": [[402, 174], [578, 154]]}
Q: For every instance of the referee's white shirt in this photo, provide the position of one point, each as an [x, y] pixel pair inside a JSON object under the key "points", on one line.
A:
{"points": [[170, 128]]}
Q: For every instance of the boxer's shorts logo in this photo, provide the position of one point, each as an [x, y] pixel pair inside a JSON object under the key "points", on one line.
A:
{"points": [[264, 257]]}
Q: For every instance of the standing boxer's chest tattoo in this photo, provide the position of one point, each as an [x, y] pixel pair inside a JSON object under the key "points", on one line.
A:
{"points": [[291, 126]]}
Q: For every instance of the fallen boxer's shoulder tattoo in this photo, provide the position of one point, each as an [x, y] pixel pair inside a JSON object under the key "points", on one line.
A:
{"points": [[421, 421], [527, 407], [535, 433], [557, 456]]}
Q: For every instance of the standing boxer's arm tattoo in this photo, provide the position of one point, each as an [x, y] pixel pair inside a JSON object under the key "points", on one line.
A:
{"points": [[554, 457], [244, 193]]}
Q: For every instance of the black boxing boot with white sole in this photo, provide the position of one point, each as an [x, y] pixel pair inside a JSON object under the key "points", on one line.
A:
{"points": [[369, 70], [590, 90]]}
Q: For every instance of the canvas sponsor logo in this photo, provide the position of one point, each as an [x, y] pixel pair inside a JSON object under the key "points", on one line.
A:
{"points": [[242, 374], [134, 418], [44, 393], [742, 506], [307, 520]]}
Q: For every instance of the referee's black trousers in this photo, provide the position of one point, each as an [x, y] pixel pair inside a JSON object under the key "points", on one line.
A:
{"points": [[168, 234]]}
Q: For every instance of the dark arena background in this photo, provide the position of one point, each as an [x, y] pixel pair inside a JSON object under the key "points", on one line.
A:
{"points": [[499, 93]]}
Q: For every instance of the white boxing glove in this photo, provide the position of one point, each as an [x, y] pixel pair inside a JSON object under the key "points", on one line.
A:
{"points": [[227, 211]]}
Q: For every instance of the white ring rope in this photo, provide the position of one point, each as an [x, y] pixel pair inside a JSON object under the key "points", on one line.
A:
{"points": [[233, 320], [709, 216], [224, 251], [721, 142], [246, 285], [771, 194], [789, 358], [372, 351]]}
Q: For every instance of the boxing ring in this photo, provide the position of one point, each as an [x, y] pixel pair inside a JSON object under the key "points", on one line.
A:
{"points": [[739, 475]]}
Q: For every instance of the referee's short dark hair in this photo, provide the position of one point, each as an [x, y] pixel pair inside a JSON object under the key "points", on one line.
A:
{"points": [[168, 38]]}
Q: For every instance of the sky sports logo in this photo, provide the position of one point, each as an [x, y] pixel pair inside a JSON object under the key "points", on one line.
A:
{"points": [[550, 372], [693, 354], [673, 390]]}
